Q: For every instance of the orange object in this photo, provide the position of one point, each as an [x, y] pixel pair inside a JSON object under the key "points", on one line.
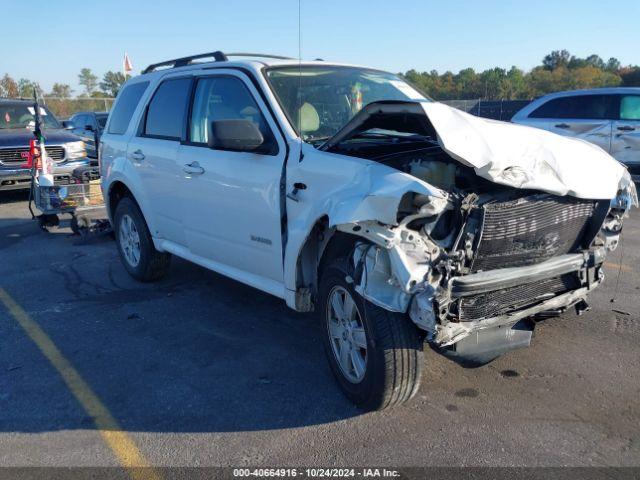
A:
{"points": [[32, 154]]}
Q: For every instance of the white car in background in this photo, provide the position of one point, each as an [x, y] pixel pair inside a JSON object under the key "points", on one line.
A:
{"points": [[343, 190], [607, 117]]}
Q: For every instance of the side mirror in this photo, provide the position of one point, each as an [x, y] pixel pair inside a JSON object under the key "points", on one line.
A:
{"points": [[235, 135], [89, 128], [68, 125]]}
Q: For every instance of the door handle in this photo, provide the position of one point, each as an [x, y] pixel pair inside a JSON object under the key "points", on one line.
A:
{"points": [[563, 125], [193, 168], [294, 193], [626, 128], [137, 155]]}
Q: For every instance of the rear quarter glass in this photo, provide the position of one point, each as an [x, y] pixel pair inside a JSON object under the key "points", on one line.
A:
{"points": [[125, 106]]}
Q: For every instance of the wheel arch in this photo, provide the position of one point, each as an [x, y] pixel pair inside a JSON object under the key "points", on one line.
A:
{"points": [[322, 245], [117, 191]]}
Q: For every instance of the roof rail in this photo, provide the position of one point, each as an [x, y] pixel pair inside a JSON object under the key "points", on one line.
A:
{"points": [[258, 55], [217, 56]]}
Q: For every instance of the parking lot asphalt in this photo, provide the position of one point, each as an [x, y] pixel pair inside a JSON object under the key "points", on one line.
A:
{"points": [[199, 370]]}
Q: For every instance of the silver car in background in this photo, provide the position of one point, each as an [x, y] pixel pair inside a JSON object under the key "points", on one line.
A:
{"points": [[608, 117]]}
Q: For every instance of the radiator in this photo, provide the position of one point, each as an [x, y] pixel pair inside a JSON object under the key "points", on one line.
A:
{"points": [[519, 297], [530, 230]]}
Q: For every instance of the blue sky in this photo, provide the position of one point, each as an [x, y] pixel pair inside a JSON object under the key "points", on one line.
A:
{"points": [[393, 35]]}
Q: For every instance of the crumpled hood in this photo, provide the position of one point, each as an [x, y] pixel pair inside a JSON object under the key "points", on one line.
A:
{"points": [[504, 153], [526, 157]]}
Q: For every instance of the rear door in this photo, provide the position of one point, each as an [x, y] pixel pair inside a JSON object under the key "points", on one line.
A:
{"points": [[153, 151], [625, 145], [588, 117], [232, 214]]}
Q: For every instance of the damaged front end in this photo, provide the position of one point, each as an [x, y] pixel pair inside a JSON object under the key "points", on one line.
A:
{"points": [[476, 266]]}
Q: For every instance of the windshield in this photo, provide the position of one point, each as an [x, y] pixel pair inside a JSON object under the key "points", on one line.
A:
{"points": [[21, 115], [320, 100]]}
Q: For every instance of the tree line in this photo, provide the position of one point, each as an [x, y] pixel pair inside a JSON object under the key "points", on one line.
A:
{"points": [[64, 104], [91, 87], [558, 71]]}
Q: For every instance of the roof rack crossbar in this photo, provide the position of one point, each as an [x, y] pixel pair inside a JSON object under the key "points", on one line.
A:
{"points": [[218, 56]]}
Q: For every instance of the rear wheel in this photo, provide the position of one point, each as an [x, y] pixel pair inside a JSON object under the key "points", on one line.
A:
{"points": [[375, 355], [135, 245]]}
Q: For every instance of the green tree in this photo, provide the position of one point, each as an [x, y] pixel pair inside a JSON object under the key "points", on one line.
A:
{"points": [[556, 59], [112, 82], [493, 82], [26, 88], [613, 65], [88, 80], [467, 84], [516, 84], [61, 90], [8, 87]]}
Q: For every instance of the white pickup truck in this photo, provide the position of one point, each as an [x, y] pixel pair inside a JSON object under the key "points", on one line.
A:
{"points": [[344, 190]]}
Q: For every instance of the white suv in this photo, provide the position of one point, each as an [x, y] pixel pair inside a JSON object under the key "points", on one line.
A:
{"points": [[344, 190], [607, 117]]}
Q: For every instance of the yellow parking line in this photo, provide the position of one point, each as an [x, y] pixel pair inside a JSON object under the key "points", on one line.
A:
{"points": [[624, 268], [118, 441]]}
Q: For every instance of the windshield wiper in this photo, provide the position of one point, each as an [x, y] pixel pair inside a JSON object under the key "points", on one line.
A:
{"points": [[314, 140], [412, 137]]}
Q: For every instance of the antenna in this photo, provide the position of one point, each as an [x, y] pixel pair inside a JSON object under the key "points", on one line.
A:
{"points": [[300, 73]]}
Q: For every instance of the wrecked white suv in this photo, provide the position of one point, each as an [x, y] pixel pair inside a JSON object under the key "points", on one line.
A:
{"points": [[345, 191]]}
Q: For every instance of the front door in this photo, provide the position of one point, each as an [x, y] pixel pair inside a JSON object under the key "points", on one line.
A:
{"points": [[232, 214], [588, 117], [625, 145]]}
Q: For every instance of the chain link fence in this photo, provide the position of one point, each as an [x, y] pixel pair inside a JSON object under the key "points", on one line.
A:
{"points": [[63, 108], [495, 109]]}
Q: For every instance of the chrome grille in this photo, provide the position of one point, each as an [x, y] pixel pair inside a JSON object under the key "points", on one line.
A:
{"points": [[530, 230], [13, 156], [500, 302]]}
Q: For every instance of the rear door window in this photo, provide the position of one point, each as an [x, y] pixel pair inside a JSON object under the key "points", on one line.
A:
{"points": [[579, 107], [630, 107], [166, 111], [128, 100]]}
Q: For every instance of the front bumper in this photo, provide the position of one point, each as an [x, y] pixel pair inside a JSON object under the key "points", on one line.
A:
{"points": [[19, 178], [583, 269], [480, 341]]}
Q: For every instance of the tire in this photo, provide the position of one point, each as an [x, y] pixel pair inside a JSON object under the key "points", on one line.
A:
{"points": [[393, 357], [75, 227], [129, 226]]}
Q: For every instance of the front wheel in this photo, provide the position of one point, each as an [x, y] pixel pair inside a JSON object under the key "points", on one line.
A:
{"points": [[375, 355]]}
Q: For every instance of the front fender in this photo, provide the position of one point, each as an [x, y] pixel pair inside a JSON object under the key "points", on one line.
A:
{"points": [[363, 191]]}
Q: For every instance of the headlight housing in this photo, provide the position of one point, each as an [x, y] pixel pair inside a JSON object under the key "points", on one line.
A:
{"points": [[76, 150]]}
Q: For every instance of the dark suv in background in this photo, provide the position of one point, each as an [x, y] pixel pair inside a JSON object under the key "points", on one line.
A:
{"points": [[88, 126], [17, 121]]}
